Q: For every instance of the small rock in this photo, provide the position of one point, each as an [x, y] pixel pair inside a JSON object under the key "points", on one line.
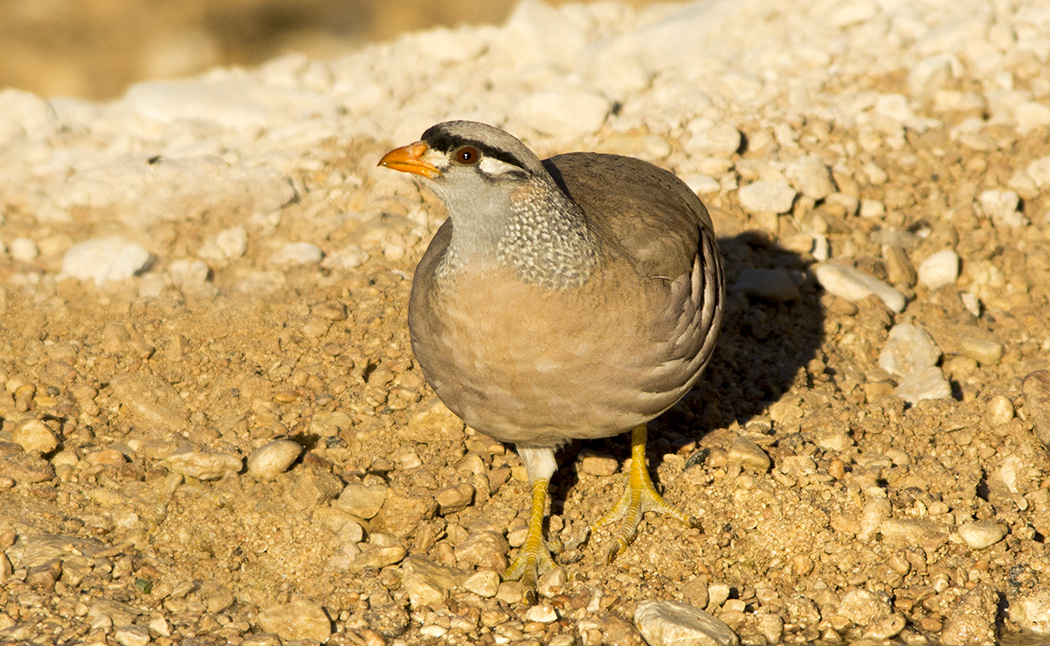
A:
{"points": [[713, 140], [296, 620], [484, 583], [552, 583], [1039, 171], [204, 465], [151, 401], [671, 623], [885, 627], [543, 613], [908, 532], [812, 177], [999, 411], [377, 557], [899, 269], [484, 550], [924, 383], [1002, 208], [1031, 611], [1036, 390], [34, 435], [363, 501], [854, 285], [596, 464], [26, 468], [770, 626], [389, 620], [972, 621], [695, 592], [44, 576], [748, 455], [401, 514], [131, 635], [297, 253], [984, 351], [940, 269], [772, 285], [273, 458], [24, 250], [454, 498], [105, 259], [766, 196], [862, 607], [908, 348], [564, 115], [428, 583], [981, 534]]}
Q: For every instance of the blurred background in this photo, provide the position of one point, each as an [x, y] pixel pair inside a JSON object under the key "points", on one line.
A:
{"points": [[95, 49]]}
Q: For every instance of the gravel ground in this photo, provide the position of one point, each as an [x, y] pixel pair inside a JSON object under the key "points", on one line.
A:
{"points": [[213, 430]]}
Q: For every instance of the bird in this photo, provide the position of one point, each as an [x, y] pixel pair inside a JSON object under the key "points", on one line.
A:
{"points": [[571, 298]]}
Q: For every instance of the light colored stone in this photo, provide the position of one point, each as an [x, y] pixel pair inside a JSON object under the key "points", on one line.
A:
{"points": [[1031, 610], [105, 259], [131, 635], [811, 177], [1036, 390], [33, 435], [854, 285], [151, 401], [484, 583], [999, 410], [204, 465], [972, 620], [924, 383], [748, 455], [721, 139], [454, 498], [908, 348], [981, 534], [484, 549], [863, 607], [596, 464], [1002, 207], [296, 620], [564, 115], [981, 349], [766, 196], [24, 250], [774, 285], [273, 458], [363, 501], [940, 269], [671, 623], [1039, 171], [297, 253]]}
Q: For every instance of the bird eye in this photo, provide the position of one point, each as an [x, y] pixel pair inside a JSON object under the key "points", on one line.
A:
{"points": [[467, 155]]}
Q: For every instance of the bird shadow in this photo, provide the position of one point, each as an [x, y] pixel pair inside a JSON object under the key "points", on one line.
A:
{"points": [[761, 355]]}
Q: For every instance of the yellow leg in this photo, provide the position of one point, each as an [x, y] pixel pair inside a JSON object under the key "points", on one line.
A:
{"points": [[533, 558], [639, 498]]}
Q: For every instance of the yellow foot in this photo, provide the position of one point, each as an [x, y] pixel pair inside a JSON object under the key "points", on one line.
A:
{"points": [[639, 498], [533, 558]]}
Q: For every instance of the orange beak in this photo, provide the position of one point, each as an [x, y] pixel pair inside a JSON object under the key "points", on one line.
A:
{"points": [[408, 159]]}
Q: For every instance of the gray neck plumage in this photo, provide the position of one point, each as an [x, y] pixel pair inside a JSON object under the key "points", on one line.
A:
{"points": [[544, 238]]}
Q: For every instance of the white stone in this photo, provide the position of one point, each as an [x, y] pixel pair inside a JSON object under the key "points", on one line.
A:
{"points": [[940, 269], [273, 458], [981, 534], [717, 140], [672, 623], [812, 177], [854, 285], [33, 435], [929, 75], [765, 196], [131, 635], [24, 250], [105, 259], [924, 383], [1031, 611], [188, 273], [862, 607], [1002, 207], [565, 115], [297, 253], [296, 620], [1039, 171], [1031, 116], [484, 583], [23, 114], [204, 465], [701, 184], [908, 348]]}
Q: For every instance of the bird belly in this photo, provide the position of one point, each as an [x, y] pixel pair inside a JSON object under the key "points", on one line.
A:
{"points": [[538, 367]]}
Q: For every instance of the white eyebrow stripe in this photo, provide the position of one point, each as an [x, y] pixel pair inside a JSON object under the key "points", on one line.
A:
{"points": [[493, 166]]}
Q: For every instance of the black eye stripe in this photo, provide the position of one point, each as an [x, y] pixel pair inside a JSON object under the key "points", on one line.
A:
{"points": [[448, 144]]}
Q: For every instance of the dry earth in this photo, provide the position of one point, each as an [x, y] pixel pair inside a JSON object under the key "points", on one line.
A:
{"points": [[133, 509]]}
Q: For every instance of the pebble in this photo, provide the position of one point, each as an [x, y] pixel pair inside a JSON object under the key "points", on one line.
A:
{"points": [[1036, 390], [204, 465], [812, 177], [854, 285], [454, 498], [999, 410], [552, 583], [24, 250], [1031, 611], [908, 348], [484, 549], [713, 140], [940, 269], [296, 620], [401, 514], [363, 501], [1039, 171], [972, 620], [105, 259], [596, 464], [297, 254], [428, 583], [899, 269], [885, 627], [774, 285], [863, 607], [484, 583], [151, 401], [1002, 207], [922, 384], [564, 115], [131, 635], [767, 196], [377, 557], [273, 458], [748, 455], [34, 435], [981, 534], [542, 612], [672, 623], [981, 349]]}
